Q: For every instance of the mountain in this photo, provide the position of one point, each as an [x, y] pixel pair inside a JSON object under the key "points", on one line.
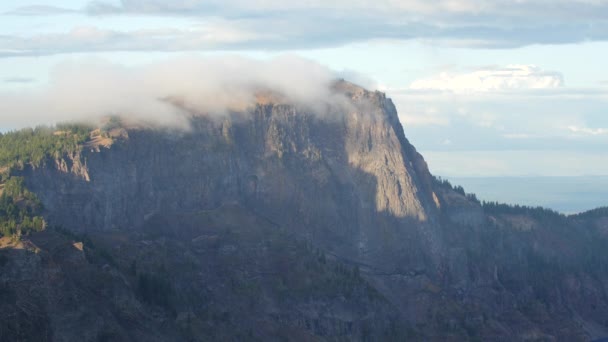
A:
{"points": [[279, 222]]}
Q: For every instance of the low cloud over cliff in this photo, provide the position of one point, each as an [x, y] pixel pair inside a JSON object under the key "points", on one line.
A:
{"points": [[86, 90]]}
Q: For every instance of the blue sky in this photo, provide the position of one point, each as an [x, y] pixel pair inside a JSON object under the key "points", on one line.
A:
{"points": [[484, 88]]}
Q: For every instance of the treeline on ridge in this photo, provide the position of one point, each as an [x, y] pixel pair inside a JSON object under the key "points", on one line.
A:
{"points": [[20, 208], [32, 145]]}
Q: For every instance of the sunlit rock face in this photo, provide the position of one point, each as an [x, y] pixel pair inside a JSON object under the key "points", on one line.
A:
{"points": [[343, 175]]}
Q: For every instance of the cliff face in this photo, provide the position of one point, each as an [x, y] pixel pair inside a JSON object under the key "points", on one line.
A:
{"points": [[283, 222], [349, 181]]}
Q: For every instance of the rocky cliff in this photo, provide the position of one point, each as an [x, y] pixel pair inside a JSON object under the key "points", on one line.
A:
{"points": [[286, 221], [348, 181]]}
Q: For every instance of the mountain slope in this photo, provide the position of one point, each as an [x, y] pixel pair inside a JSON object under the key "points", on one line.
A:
{"points": [[286, 221]]}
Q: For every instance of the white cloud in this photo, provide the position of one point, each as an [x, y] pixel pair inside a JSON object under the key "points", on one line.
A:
{"points": [[86, 90], [587, 130], [511, 77]]}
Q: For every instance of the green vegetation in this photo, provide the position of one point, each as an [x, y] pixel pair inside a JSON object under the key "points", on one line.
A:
{"points": [[32, 146], [538, 213], [592, 214], [18, 209], [445, 184], [496, 208], [442, 183]]}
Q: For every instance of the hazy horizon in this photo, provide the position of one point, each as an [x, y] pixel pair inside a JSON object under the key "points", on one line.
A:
{"points": [[568, 195]]}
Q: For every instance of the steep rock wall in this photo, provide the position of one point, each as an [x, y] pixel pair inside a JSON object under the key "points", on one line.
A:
{"points": [[348, 180]]}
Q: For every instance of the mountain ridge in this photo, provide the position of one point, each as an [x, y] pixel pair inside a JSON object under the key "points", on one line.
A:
{"points": [[279, 222]]}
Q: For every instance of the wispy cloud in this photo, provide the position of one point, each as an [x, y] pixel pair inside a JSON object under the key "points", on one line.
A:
{"points": [[40, 10], [19, 80], [496, 79], [423, 117], [216, 35], [498, 108], [588, 131]]}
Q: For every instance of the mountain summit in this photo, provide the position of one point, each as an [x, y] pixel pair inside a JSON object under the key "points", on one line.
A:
{"points": [[284, 221]]}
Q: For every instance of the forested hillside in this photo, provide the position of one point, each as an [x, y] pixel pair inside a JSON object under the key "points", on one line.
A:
{"points": [[19, 208]]}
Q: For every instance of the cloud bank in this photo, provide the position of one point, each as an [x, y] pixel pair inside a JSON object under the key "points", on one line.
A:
{"points": [[284, 25], [90, 90]]}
